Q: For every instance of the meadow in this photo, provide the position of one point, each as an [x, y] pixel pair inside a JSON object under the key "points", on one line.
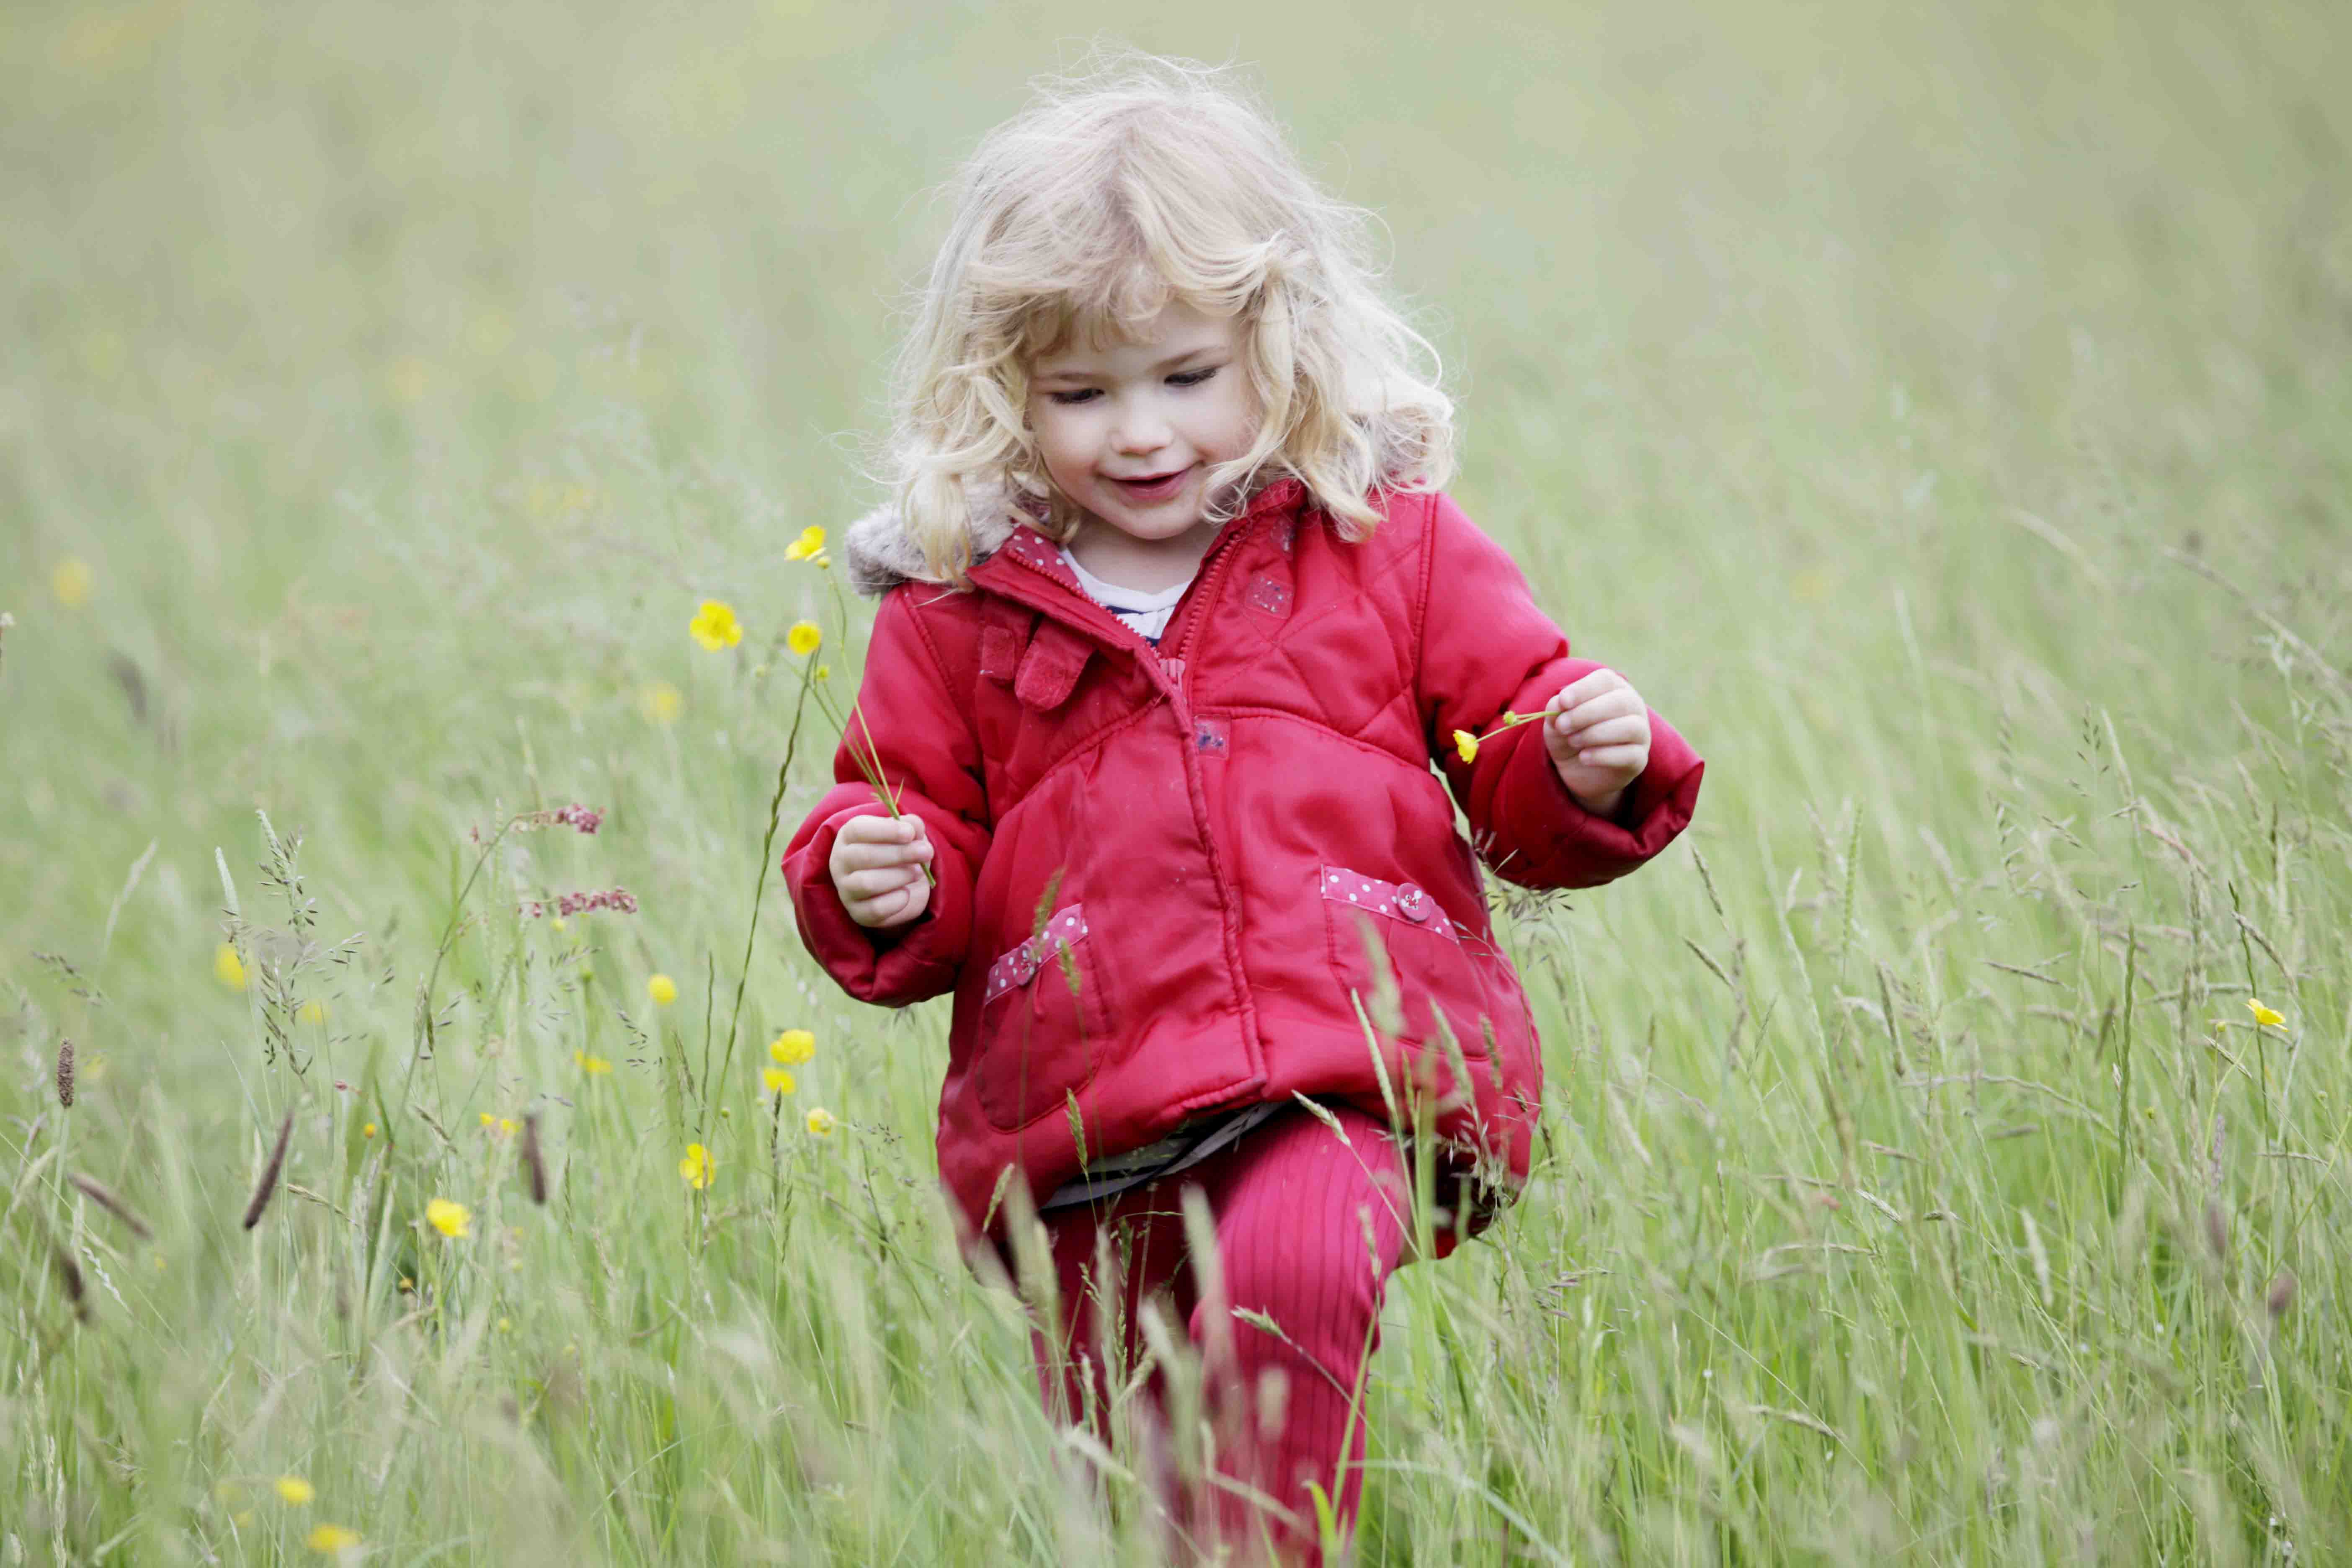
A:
{"points": [[1943, 415]]}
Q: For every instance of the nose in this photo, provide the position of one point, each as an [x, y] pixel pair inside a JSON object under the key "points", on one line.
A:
{"points": [[1141, 428]]}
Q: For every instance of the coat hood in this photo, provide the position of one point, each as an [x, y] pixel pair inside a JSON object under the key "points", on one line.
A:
{"points": [[881, 554]]}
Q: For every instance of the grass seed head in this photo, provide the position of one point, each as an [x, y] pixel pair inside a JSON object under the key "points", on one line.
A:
{"points": [[2281, 1295], [65, 1074], [534, 1164], [108, 1199], [269, 1172], [70, 1273]]}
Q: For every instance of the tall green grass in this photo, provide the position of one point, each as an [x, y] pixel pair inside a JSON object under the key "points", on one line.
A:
{"points": [[1940, 415]]}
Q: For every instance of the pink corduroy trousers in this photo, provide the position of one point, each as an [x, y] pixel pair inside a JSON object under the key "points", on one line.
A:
{"points": [[1307, 1229]]}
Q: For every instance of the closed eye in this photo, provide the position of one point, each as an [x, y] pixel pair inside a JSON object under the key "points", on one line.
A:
{"points": [[1193, 377], [1071, 399]]}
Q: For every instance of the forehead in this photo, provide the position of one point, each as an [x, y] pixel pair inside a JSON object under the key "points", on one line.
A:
{"points": [[1178, 329]]}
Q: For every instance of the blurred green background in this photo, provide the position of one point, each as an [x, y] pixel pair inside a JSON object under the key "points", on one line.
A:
{"points": [[1939, 412]]}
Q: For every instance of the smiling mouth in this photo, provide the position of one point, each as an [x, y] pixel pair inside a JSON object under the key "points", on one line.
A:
{"points": [[1154, 484]]}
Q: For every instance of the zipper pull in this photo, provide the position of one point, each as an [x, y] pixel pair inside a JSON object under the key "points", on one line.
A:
{"points": [[1175, 668]]}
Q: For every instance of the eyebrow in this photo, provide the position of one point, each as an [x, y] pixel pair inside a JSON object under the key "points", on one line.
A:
{"points": [[1092, 373]]}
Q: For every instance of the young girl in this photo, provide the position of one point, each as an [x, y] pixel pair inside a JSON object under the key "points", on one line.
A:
{"points": [[1174, 621]]}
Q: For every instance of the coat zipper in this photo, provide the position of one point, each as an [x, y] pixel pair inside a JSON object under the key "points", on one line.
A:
{"points": [[1166, 662]]}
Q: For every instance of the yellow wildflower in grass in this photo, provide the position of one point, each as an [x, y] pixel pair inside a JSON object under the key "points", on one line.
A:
{"points": [[804, 638], [313, 1012], [505, 1324], [662, 989], [660, 702], [228, 967], [2263, 1014], [824, 672], [821, 1122], [714, 626], [1468, 744], [452, 1219], [490, 1119], [808, 546], [369, 1130], [508, 1127], [698, 1170], [778, 1081], [332, 1538], [72, 581], [294, 1490], [791, 1047], [594, 1067], [559, 925]]}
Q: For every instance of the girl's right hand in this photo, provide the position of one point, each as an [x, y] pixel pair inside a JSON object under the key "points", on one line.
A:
{"points": [[877, 869]]}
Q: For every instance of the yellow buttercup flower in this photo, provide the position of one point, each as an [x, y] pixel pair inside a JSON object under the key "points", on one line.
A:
{"points": [[313, 1012], [714, 626], [804, 638], [369, 1130], [594, 1067], [821, 1122], [72, 581], [452, 1219], [660, 702], [2263, 1014], [791, 1047], [1468, 744], [662, 989], [332, 1538], [810, 543], [228, 967], [778, 1081], [698, 1170], [295, 1490], [508, 1127], [490, 1119]]}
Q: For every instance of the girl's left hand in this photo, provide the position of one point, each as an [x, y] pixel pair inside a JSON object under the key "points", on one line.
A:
{"points": [[1597, 732]]}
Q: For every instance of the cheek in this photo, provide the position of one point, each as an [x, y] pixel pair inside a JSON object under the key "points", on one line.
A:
{"points": [[1236, 419], [1061, 441]]}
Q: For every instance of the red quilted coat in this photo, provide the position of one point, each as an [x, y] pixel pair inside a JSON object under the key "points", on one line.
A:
{"points": [[1166, 878]]}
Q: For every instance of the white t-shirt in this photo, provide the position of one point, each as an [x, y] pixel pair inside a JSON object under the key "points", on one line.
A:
{"points": [[1147, 612]]}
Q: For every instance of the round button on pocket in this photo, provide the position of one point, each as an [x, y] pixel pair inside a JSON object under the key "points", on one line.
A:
{"points": [[1412, 904], [1024, 965]]}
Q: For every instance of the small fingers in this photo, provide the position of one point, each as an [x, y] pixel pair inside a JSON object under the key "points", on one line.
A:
{"points": [[854, 857], [1617, 702], [1628, 760], [1624, 729], [875, 828], [1583, 689], [864, 885]]}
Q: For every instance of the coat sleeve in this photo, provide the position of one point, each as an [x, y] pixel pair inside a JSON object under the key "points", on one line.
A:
{"points": [[929, 755], [1486, 649]]}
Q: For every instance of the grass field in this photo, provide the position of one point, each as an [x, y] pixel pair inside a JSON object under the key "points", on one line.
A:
{"points": [[1943, 415]]}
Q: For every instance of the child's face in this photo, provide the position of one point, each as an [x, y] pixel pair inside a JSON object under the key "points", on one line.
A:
{"points": [[1129, 432]]}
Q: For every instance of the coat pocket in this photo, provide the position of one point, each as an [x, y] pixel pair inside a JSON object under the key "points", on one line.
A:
{"points": [[1394, 948], [1043, 1023]]}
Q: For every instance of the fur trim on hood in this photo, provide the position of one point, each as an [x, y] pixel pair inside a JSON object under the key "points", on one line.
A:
{"points": [[879, 554]]}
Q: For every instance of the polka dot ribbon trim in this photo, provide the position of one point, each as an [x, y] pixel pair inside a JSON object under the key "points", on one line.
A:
{"points": [[1405, 901], [1067, 927]]}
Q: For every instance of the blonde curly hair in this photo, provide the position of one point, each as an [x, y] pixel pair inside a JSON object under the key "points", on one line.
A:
{"points": [[1141, 182]]}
